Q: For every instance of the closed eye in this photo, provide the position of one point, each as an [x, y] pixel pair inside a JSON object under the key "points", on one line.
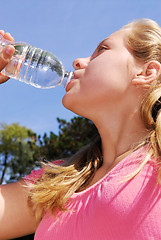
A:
{"points": [[102, 47]]}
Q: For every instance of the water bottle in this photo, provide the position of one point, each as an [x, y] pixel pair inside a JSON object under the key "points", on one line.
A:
{"points": [[35, 66]]}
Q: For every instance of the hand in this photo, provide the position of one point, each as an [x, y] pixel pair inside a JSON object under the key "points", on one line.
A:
{"points": [[5, 55]]}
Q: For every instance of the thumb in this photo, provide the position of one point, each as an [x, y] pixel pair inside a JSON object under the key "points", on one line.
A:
{"points": [[5, 56]]}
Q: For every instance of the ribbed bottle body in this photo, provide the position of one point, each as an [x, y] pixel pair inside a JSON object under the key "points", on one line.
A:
{"points": [[35, 66]]}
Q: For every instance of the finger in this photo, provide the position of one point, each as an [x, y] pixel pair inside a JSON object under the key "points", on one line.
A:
{"points": [[8, 36], [2, 32], [5, 56], [3, 78]]}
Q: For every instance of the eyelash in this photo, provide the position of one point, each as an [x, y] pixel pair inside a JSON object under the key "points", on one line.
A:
{"points": [[102, 47]]}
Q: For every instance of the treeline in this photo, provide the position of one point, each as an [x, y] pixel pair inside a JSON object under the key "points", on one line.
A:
{"points": [[22, 150]]}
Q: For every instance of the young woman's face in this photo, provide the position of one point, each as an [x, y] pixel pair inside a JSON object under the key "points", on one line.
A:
{"points": [[101, 79]]}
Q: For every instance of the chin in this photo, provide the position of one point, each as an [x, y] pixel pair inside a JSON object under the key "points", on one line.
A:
{"points": [[71, 104], [68, 102]]}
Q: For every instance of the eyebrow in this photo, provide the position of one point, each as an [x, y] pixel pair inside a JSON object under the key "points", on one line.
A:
{"points": [[106, 39]]}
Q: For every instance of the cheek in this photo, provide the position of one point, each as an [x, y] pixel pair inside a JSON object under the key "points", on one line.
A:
{"points": [[111, 77], [98, 86], [118, 75]]}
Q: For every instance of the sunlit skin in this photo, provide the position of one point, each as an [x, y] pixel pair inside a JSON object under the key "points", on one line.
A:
{"points": [[104, 89]]}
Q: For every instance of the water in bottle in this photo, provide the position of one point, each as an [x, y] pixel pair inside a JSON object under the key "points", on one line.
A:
{"points": [[35, 66]]}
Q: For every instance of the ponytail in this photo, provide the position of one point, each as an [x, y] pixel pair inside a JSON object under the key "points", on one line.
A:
{"points": [[144, 41], [151, 116]]}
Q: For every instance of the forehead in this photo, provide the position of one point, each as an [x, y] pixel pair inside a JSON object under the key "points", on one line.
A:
{"points": [[118, 37]]}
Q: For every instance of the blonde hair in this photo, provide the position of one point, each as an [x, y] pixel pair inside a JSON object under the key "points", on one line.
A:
{"points": [[53, 190], [144, 41]]}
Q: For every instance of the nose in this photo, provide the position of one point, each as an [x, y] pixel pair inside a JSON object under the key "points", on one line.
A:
{"points": [[81, 63]]}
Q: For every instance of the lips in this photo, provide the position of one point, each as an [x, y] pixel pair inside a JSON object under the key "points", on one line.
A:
{"points": [[68, 87]]}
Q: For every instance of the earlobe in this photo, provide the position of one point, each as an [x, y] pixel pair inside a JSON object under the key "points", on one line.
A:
{"points": [[150, 73], [138, 80]]}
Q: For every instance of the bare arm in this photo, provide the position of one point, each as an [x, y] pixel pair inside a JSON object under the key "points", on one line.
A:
{"points": [[16, 217]]}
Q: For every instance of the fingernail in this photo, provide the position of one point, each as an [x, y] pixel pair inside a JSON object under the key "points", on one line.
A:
{"points": [[7, 33]]}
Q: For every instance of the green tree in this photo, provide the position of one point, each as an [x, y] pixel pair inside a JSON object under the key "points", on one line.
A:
{"points": [[71, 137], [74, 135], [16, 151]]}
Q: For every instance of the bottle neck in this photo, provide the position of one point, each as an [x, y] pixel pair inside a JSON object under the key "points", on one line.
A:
{"points": [[67, 78]]}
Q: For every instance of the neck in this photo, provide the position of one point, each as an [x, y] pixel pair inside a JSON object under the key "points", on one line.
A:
{"points": [[119, 137]]}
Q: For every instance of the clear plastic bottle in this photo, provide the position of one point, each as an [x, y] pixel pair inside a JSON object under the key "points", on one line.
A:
{"points": [[35, 66]]}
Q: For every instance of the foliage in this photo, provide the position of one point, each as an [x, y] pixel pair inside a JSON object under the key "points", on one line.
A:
{"points": [[16, 155], [72, 136], [21, 150]]}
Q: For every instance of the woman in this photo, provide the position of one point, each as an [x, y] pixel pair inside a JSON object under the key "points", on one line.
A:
{"points": [[110, 189]]}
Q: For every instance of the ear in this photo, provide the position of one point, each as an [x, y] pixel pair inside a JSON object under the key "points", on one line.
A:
{"points": [[148, 75]]}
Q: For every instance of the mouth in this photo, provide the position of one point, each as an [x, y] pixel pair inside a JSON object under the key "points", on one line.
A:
{"points": [[69, 76], [70, 79], [69, 84]]}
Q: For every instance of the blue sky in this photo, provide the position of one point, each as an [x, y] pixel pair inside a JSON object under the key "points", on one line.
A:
{"points": [[69, 29]]}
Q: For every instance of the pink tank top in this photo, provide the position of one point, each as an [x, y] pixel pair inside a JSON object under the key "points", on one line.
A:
{"points": [[111, 209]]}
